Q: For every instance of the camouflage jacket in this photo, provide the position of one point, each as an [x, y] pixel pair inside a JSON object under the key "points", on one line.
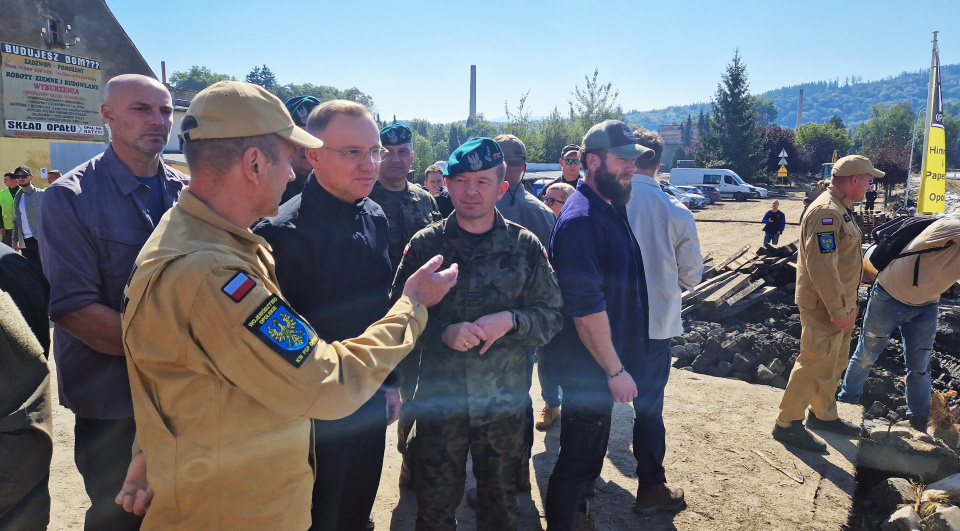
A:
{"points": [[406, 213], [506, 270]]}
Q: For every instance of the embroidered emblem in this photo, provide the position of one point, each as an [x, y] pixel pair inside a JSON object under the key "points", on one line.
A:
{"points": [[392, 137], [827, 242], [280, 328], [827, 221], [474, 160], [846, 217], [238, 287]]}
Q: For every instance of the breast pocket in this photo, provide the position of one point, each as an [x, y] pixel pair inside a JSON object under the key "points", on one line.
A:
{"points": [[119, 247], [504, 282]]}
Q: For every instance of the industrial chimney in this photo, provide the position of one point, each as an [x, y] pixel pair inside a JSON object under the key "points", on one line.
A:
{"points": [[473, 91], [800, 109]]}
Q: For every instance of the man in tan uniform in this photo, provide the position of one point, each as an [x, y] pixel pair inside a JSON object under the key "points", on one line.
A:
{"points": [[225, 375], [829, 267]]}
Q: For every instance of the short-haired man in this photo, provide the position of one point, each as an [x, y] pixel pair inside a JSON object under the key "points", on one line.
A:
{"points": [[299, 108], [603, 344], [52, 176], [93, 223], [225, 374], [670, 250], [570, 165], [829, 268], [26, 216], [904, 298], [472, 391], [409, 208], [433, 182], [774, 221], [6, 206], [329, 222]]}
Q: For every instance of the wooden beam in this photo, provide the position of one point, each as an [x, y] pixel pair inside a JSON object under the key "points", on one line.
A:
{"points": [[731, 258], [728, 290]]}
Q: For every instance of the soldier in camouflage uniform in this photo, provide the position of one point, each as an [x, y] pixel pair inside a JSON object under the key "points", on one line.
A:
{"points": [[408, 207], [472, 389]]}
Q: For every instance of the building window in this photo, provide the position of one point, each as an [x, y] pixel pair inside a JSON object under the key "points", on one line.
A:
{"points": [[53, 32]]}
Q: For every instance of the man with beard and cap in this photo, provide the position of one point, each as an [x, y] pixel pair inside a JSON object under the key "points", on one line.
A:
{"points": [[602, 350], [472, 391], [26, 217], [225, 373], [332, 220], [299, 109], [569, 168], [408, 208]]}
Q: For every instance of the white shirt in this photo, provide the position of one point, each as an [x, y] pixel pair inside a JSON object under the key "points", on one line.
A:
{"points": [[670, 247], [24, 224]]}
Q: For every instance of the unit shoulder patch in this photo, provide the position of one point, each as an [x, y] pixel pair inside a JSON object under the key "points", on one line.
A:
{"points": [[846, 218], [283, 330], [827, 241]]}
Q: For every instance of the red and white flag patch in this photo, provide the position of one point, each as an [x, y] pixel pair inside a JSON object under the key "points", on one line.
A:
{"points": [[239, 286], [827, 221]]}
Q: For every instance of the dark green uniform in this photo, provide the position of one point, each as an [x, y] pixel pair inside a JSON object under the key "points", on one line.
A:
{"points": [[407, 212], [465, 400]]}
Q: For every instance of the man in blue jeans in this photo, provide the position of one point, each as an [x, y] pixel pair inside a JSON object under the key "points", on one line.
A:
{"points": [[604, 353], [907, 298]]}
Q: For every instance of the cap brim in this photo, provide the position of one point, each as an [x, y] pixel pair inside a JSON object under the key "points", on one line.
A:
{"points": [[632, 151], [300, 138], [876, 173]]}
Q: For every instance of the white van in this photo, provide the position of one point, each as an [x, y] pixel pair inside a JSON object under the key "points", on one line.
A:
{"points": [[729, 183]]}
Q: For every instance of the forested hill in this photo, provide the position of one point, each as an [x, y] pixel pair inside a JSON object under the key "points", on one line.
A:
{"points": [[850, 98]]}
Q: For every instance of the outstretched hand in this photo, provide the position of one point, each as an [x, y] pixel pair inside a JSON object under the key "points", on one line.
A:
{"points": [[427, 285]]}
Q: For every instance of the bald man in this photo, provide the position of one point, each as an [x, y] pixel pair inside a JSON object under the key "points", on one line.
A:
{"points": [[93, 222]]}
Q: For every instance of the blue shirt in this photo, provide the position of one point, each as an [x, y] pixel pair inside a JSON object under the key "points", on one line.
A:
{"points": [[599, 267], [93, 222], [154, 204]]}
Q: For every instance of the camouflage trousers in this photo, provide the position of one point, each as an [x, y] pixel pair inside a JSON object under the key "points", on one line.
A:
{"points": [[438, 449]]}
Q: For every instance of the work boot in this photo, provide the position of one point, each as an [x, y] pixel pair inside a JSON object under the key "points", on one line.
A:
{"points": [[919, 423], [659, 497], [547, 417], [798, 436], [838, 425], [585, 521]]}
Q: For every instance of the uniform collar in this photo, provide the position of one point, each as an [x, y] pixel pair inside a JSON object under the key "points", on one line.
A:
{"points": [[322, 202], [840, 197], [451, 227], [126, 181], [193, 206]]}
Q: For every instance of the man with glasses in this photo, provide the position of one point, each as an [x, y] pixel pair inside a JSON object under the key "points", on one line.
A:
{"points": [[6, 206], [299, 109], [829, 268], [408, 207], [26, 216], [569, 166], [332, 222]]}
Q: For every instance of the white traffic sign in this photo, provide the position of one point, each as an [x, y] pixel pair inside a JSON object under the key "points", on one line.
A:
{"points": [[783, 153], [783, 160]]}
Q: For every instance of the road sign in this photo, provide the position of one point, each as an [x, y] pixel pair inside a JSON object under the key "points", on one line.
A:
{"points": [[783, 160], [782, 172], [783, 153]]}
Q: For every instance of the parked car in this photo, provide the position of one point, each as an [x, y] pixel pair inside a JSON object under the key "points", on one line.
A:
{"points": [[712, 193], [689, 200], [729, 183], [696, 191]]}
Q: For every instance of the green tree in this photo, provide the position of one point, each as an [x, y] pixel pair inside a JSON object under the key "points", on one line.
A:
{"points": [[887, 124], [595, 103], [556, 132], [197, 78], [820, 141], [324, 93], [686, 131], [766, 110], [520, 125], [735, 137], [703, 124], [423, 156], [262, 76]]}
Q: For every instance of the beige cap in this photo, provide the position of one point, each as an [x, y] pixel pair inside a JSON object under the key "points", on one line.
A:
{"points": [[855, 165], [511, 146], [232, 109]]}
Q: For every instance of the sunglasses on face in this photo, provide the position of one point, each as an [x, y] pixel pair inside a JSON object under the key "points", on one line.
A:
{"points": [[571, 162], [550, 201]]}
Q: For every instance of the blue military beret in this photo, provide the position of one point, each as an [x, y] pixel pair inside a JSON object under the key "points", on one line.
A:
{"points": [[395, 135], [300, 107], [477, 154]]}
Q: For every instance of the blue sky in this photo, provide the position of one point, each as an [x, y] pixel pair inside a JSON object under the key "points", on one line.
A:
{"points": [[414, 57]]}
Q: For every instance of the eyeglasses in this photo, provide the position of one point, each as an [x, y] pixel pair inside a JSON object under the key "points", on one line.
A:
{"points": [[356, 156], [571, 162], [22, 176], [550, 201]]}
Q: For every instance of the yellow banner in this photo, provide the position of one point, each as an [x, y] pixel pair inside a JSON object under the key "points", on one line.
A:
{"points": [[934, 166]]}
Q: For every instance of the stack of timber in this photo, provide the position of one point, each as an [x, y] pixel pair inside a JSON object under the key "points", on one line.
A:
{"points": [[741, 280]]}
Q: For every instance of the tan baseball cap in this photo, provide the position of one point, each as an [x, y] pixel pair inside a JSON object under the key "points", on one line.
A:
{"points": [[512, 146], [855, 165], [232, 109]]}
